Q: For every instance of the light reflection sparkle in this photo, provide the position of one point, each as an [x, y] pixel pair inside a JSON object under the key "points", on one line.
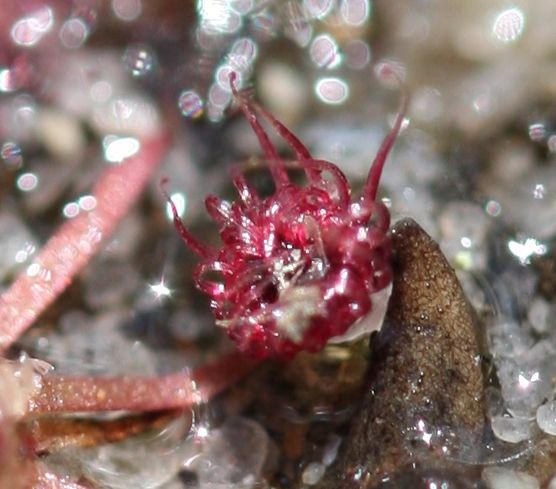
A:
{"points": [[179, 201], [160, 289], [117, 149], [217, 16], [525, 249], [7, 80], [508, 25]]}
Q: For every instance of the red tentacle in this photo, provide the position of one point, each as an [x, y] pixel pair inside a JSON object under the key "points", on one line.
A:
{"points": [[247, 194], [300, 150], [276, 165], [187, 237], [373, 180]]}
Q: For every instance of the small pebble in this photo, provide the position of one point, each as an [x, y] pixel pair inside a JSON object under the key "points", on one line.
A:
{"points": [[499, 478], [313, 473], [146, 461], [525, 379], [540, 315], [546, 417], [512, 430], [227, 463], [331, 450]]}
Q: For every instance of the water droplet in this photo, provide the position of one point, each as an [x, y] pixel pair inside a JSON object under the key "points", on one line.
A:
{"points": [[493, 208], [27, 182], [190, 104], [358, 54], [71, 210], [297, 27], [324, 52], [537, 131], [139, 59], [355, 12], [220, 97], [333, 91], [390, 72], [319, 8], [127, 10], [242, 6], [74, 33], [87, 202], [101, 91], [222, 78], [242, 54], [11, 154], [508, 25], [28, 31]]}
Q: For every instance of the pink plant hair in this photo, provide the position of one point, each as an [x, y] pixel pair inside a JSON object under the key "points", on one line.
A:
{"points": [[76, 242], [301, 266]]}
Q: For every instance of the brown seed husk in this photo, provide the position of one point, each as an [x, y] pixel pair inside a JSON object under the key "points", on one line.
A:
{"points": [[425, 372]]}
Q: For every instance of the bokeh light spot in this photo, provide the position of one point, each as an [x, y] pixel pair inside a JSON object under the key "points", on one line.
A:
{"points": [[324, 52], [27, 182], [127, 10], [332, 91], [74, 33], [508, 25], [139, 59], [190, 104]]}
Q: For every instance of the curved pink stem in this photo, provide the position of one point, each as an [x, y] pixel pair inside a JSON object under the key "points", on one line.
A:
{"points": [[247, 194], [300, 150], [77, 241], [275, 163], [293, 141], [203, 250], [175, 391], [373, 180]]}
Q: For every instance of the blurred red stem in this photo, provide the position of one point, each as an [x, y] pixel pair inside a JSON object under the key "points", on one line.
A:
{"points": [[77, 241], [175, 391]]}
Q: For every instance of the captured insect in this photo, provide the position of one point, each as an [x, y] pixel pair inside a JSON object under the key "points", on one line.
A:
{"points": [[301, 266]]}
